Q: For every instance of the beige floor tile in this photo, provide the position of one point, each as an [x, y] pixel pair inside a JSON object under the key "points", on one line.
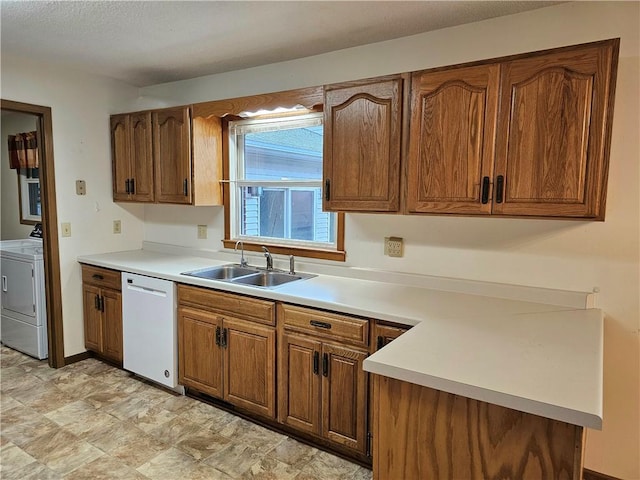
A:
{"points": [[176, 430], [104, 468], [43, 397], [203, 444], [61, 451], [34, 471], [114, 437], [323, 465], [292, 452], [152, 417], [168, 465], [234, 460], [259, 438], [363, 474], [136, 454], [271, 469], [81, 419], [13, 460], [22, 425], [205, 472]]}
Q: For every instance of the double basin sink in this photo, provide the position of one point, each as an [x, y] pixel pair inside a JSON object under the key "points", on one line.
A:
{"points": [[252, 276]]}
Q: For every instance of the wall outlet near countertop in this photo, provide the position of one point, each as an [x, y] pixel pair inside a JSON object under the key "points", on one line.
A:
{"points": [[393, 246], [202, 232], [117, 226]]}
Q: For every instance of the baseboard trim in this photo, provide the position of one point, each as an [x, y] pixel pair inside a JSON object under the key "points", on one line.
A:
{"points": [[591, 475], [77, 358]]}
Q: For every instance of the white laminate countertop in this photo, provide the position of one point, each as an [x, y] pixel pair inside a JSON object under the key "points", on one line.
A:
{"points": [[534, 357]]}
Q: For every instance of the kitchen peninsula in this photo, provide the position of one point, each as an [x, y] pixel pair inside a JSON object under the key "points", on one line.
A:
{"points": [[484, 364]]}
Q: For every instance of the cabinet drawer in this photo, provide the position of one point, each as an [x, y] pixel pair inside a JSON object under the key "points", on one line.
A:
{"points": [[101, 277], [261, 311], [324, 324]]}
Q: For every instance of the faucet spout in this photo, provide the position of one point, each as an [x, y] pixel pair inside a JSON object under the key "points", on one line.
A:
{"points": [[269, 258], [243, 262]]}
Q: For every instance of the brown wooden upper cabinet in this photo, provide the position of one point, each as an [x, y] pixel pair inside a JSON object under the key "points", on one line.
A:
{"points": [[523, 136], [165, 156], [362, 129]]}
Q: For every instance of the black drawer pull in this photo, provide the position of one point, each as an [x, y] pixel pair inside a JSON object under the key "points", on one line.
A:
{"points": [[133, 185], [380, 342], [97, 276], [327, 189], [127, 186], [316, 323], [499, 188], [325, 365], [218, 336], [316, 363], [485, 190]]}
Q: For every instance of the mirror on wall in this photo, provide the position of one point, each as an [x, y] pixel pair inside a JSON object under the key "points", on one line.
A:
{"points": [[20, 175]]}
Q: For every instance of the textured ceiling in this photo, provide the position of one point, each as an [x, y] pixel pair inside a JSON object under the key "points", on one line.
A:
{"points": [[151, 42]]}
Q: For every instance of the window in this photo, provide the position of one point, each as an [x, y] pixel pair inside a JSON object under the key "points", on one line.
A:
{"points": [[29, 193], [275, 176]]}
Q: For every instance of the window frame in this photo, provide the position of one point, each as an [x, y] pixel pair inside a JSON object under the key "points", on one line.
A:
{"points": [[255, 244], [24, 180]]}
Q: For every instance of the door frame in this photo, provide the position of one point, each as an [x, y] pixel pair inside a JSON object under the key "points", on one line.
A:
{"points": [[53, 292]]}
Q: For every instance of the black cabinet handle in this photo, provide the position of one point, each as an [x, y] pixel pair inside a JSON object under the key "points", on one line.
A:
{"points": [[379, 342], [485, 190], [499, 188], [184, 187], [223, 340], [218, 336], [316, 363], [101, 303], [327, 189], [96, 302], [319, 324], [127, 186], [133, 185], [97, 276], [325, 365]]}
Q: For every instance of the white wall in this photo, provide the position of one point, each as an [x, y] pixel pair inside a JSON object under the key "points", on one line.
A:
{"points": [[556, 254], [11, 228], [80, 105]]}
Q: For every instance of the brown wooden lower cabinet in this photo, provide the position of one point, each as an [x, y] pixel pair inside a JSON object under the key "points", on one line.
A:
{"points": [[422, 433], [322, 389], [229, 358], [102, 309]]}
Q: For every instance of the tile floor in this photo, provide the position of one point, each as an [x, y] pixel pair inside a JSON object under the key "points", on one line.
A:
{"points": [[89, 420]]}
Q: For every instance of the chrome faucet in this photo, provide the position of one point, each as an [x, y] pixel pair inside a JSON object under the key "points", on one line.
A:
{"points": [[267, 254], [243, 262], [292, 264]]}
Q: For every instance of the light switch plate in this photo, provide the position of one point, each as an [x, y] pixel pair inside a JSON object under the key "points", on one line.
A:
{"points": [[81, 187], [66, 229]]}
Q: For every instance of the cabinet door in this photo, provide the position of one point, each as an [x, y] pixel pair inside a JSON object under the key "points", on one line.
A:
{"points": [[112, 324], [141, 151], [172, 155], [344, 396], [120, 156], [200, 359], [452, 138], [362, 138], [92, 318], [299, 381], [249, 366], [384, 334], [554, 123]]}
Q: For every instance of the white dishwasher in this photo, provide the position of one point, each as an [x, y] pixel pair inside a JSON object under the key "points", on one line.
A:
{"points": [[149, 329]]}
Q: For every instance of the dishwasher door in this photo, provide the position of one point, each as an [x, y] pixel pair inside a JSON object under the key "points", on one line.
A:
{"points": [[149, 328]]}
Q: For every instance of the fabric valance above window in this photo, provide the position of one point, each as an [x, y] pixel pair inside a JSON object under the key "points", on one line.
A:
{"points": [[23, 151]]}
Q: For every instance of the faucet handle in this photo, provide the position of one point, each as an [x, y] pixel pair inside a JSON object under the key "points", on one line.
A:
{"points": [[292, 264]]}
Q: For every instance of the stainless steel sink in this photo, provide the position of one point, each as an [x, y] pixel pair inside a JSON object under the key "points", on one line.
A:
{"points": [[269, 279], [251, 276], [223, 272]]}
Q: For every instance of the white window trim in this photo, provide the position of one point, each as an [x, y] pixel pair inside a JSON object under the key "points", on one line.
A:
{"points": [[237, 181], [24, 197]]}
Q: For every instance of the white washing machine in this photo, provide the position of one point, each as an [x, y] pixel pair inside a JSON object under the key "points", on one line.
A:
{"points": [[23, 320]]}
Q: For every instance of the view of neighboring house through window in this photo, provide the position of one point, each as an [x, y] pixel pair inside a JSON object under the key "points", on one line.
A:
{"points": [[276, 179]]}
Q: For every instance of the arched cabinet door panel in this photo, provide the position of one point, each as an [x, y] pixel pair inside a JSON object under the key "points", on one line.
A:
{"points": [[554, 124], [451, 140], [362, 139]]}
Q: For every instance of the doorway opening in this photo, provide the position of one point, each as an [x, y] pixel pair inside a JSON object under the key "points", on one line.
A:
{"points": [[49, 219]]}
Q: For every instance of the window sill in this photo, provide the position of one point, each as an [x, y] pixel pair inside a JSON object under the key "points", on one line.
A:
{"points": [[338, 256]]}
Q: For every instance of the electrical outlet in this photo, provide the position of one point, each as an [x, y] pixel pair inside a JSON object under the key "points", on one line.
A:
{"points": [[393, 246], [202, 232], [81, 187], [66, 229], [117, 226]]}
